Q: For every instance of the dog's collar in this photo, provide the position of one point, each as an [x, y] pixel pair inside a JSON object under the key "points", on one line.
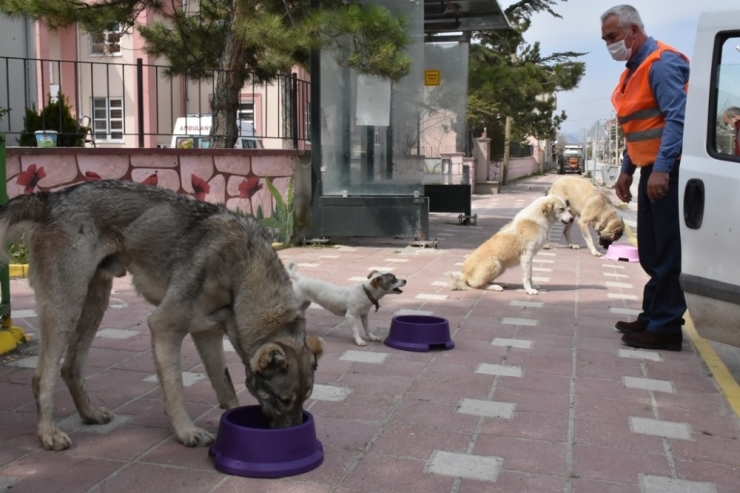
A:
{"points": [[371, 298]]}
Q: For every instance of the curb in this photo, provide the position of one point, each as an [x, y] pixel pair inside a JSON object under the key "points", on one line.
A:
{"points": [[724, 378], [11, 338], [18, 271]]}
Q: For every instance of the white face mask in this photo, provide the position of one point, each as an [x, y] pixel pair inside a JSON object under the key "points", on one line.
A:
{"points": [[619, 51]]}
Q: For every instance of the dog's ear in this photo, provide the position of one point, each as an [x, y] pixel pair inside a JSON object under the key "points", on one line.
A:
{"points": [[372, 273], [375, 282], [268, 356], [547, 208], [315, 345]]}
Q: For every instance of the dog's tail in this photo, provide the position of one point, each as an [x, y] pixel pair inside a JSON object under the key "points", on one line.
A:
{"points": [[291, 270], [19, 215], [456, 283]]}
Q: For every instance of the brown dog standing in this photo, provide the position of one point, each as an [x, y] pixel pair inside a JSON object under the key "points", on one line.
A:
{"points": [[208, 271]]}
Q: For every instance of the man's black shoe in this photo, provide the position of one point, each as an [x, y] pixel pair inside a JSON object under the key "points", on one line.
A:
{"points": [[652, 340], [631, 327]]}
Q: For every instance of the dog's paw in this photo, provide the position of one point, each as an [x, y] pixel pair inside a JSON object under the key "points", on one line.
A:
{"points": [[546, 246], [55, 440], [195, 437], [360, 342], [532, 291], [494, 287], [100, 416], [574, 247], [597, 254], [373, 338]]}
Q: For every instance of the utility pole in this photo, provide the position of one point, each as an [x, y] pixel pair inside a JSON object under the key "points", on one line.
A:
{"points": [[507, 151], [616, 143], [593, 150]]}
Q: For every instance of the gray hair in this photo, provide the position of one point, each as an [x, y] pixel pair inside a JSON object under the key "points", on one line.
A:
{"points": [[730, 112], [627, 16]]}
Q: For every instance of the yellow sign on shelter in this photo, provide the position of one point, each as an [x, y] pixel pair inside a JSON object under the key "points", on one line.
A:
{"points": [[432, 77]]}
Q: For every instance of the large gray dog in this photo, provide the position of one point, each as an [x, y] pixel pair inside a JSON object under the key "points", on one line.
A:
{"points": [[209, 272]]}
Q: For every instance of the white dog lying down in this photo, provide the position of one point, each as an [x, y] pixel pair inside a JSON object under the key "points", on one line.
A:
{"points": [[516, 243], [351, 302]]}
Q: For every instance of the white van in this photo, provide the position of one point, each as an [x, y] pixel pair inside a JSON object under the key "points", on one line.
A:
{"points": [[709, 181], [193, 132]]}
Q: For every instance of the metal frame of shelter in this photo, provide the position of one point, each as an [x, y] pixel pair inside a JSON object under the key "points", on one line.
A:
{"points": [[401, 214]]}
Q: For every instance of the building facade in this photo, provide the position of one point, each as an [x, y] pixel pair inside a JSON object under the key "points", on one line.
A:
{"points": [[99, 76]]}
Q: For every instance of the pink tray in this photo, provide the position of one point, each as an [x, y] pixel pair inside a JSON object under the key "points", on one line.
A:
{"points": [[624, 253]]}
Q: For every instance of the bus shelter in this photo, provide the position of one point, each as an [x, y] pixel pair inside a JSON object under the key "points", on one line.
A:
{"points": [[378, 144]]}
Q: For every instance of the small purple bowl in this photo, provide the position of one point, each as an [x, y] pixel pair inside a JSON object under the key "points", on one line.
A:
{"points": [[419, 333], [247, 446]]}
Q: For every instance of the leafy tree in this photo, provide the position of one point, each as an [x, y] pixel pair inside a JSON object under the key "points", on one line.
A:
{"points": [[233, 40], [510, 78]]}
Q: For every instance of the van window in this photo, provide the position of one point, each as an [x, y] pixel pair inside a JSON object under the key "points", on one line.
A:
{"points": [[725, 142]]}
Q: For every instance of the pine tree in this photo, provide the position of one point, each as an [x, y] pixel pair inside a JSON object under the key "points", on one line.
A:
{"points": [[510, 78]]}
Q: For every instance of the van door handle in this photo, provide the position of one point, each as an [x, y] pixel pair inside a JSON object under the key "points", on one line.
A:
{"points": [[693, 203]]}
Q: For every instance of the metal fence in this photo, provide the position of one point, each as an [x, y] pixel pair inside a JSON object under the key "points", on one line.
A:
{"points": [[516, 150], [138, 104]]}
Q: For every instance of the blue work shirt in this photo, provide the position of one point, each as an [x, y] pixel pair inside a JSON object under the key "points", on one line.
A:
{"points": [[668, 77]]}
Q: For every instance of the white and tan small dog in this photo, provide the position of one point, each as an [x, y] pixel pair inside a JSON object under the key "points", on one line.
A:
{"points": [[351, 302], [516, 243]]}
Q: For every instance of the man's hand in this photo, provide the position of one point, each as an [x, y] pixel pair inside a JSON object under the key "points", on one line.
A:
{"points": [[622, 187], [657, 185]]}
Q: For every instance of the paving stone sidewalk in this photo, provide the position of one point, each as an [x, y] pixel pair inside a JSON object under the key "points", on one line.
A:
{"points": [[538, 394]]}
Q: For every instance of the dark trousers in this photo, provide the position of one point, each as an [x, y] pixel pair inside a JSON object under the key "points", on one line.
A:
{"points": [[659, 247]]}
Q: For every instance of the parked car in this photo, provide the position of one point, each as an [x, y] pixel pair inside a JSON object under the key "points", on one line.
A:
{"points": [[709, 180], [194, 131]]}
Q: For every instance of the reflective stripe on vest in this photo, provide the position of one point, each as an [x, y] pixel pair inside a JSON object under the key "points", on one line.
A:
{"points": [[653, 133], [639, 115], [637, 111]]}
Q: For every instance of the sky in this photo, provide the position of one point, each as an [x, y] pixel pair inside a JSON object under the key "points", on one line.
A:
{"points": [[673, 22]]}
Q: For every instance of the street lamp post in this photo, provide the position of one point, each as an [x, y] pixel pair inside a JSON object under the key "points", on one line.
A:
{"points": [[616, 143]]}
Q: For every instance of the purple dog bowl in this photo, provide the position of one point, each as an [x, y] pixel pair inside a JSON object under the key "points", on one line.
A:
{"points": [[419, 333], [247, 446], [624, 253]]}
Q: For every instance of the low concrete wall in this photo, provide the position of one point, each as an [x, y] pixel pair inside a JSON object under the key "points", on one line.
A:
{"points": [[521, 167], [518, 168], [234, 177]]}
